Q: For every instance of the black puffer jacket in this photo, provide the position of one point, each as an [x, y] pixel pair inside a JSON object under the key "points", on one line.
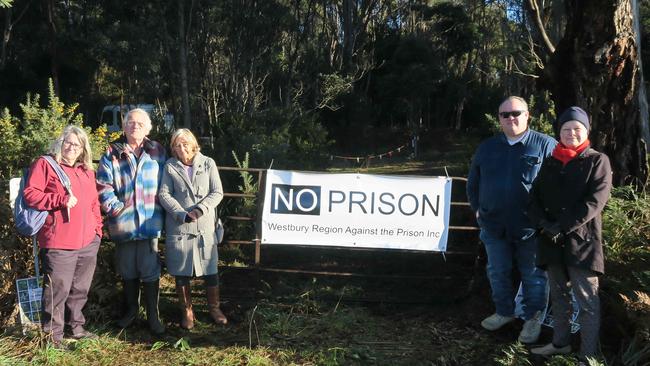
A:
{"points": [[574, 196]]}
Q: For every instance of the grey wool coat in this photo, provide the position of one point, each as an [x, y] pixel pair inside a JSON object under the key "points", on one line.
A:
{"points": [[191, 248]]}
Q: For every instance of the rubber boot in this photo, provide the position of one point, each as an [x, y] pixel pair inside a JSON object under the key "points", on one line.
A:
{"points": [[185, 301], [213, 305], [131, 302], [151, 291]]}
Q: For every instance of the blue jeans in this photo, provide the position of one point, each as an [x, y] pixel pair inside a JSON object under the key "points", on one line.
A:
{"points": [[502, 256]]}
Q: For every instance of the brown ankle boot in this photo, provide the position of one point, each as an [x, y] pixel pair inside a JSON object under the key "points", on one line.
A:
{"points": [[185, 300], [213, 305]]}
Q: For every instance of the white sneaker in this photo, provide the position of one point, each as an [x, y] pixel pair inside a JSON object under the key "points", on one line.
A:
{"points": [[532, 328], [496, 321], [550, 350]]}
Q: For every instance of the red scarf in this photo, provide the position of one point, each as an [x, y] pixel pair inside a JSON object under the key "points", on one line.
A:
{"points": [[566, 154]]}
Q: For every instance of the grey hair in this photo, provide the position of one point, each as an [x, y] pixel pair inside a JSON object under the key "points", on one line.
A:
{"points": [[514, 97], [86, 156], [184, 132], [143, 113]]}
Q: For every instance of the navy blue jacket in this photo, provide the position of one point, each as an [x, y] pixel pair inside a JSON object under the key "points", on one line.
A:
{"points": [[500, 178]]}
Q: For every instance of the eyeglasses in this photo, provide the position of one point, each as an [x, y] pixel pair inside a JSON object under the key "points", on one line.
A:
{"points": [[72, 145], [511, 113], [135, 124]]}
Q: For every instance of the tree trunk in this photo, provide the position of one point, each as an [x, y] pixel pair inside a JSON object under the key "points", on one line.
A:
{"points": [[182, 50], [643, 96], [348, 33], [595, 66], [6, 34], [52, 43]]}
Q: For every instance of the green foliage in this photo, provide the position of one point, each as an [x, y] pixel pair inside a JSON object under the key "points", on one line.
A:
{"points": [[542, 115], [637, 352], [514, 354], [570, 360], [182, 344], [286, 137], [40, 125], [245, 206], [248, 186], [561, 360], [453, 29], [11, 145], [6, 3], [492, 121], [626, 226], [30, 135], [159, 345], [334, 87]]}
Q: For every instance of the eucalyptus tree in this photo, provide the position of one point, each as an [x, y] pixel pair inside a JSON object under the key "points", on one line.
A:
{"points": [[595, 64], [10, 21]]}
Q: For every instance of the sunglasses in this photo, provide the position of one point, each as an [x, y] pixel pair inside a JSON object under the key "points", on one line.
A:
{"points": [[511, 113]]}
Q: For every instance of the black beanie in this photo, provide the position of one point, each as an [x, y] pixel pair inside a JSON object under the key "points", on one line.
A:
{"points": [[573, 114]]}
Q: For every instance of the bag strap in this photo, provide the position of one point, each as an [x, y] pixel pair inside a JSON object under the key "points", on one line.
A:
{"points": [[59, 172]]}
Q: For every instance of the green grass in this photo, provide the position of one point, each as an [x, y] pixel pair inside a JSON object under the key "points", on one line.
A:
{"points": [[292, 329]]}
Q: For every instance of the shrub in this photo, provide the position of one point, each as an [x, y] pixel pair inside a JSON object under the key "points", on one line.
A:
{"points": [[288, 137], [626, 226], [542, 115]]}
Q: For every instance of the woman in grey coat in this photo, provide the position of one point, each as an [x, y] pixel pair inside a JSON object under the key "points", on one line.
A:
{"points": [[190, 192]]}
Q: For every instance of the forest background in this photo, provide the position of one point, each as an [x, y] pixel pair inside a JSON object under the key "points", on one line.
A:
{"points": [[297, 83]]}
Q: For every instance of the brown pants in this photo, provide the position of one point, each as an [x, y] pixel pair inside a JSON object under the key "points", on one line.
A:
{"points": [[67, 275]]}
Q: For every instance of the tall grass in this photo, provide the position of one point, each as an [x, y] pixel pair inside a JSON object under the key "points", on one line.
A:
{"points": [[626, 227]]}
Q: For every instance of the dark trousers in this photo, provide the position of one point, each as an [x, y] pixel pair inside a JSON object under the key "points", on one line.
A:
{"points": [[67, 275], [585, 288]]}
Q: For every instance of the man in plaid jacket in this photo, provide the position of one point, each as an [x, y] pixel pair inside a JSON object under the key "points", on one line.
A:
{"points": [[128, 178]]}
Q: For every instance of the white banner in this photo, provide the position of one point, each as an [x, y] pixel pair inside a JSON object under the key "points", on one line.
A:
{"points": [[356, 210]]}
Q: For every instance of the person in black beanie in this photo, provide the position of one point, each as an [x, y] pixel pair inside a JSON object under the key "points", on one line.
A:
{"points": [[567, 200], [572, 114]]}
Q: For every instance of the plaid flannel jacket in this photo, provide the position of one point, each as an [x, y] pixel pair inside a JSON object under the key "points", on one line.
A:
{"points": [[128, 188]]}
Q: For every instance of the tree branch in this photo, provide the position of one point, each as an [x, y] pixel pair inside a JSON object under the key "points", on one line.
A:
{"points": [[535, 11]]}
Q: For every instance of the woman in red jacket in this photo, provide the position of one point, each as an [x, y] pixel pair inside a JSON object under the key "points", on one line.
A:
{"points": [[70, 238]]}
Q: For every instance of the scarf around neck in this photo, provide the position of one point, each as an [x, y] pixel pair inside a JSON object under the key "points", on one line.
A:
{"points": [[566, 154]]}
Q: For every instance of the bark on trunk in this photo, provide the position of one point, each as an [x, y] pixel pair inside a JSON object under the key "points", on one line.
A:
{"points": [[6, 34], [595, 66], [52, 44], [182, 50]]}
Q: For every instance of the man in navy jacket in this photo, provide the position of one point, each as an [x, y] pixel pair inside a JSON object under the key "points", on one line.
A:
{"points": [[502, 172]]}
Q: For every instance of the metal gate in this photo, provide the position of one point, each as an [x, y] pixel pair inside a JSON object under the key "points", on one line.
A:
{"points": [[459, 264]]}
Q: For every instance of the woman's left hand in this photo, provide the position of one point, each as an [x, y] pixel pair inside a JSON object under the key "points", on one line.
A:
{"points": [[72, 201]]}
